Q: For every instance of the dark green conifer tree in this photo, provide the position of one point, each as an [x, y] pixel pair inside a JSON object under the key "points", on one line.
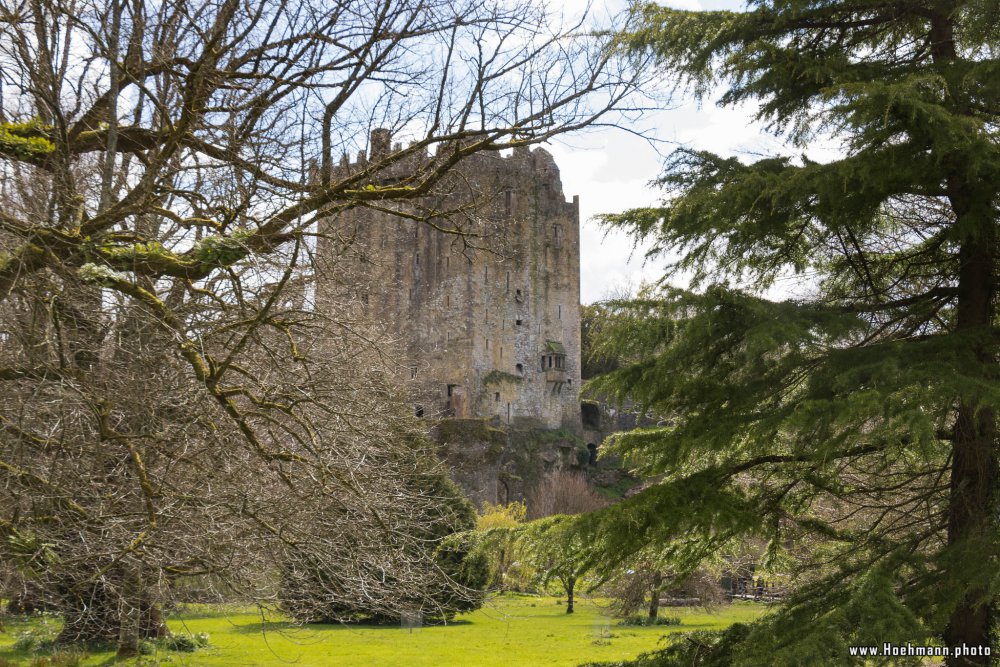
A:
{"points": [[856, 429]]}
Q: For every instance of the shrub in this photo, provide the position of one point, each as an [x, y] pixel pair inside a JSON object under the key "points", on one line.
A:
{"points": [[181, 643], [467, 567], [506, 571], [501, 516], [563, 492], [60, 659], [437, 577], [646, 620], [33, 640], [24, 642]]}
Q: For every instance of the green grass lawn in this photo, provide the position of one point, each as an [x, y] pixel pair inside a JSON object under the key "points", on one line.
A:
{"points": [[509, 631]]}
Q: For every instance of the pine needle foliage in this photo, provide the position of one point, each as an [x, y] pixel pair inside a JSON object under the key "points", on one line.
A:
{"points": [[854, 429]]}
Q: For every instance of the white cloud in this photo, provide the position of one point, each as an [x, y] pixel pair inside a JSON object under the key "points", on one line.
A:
{"points": [[611, 169]]}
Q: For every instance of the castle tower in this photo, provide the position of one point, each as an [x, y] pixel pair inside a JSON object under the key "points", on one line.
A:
{"points": [[490, 321]]}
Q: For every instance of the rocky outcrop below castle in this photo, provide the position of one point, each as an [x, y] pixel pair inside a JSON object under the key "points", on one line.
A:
{"points": [[498, 464]]}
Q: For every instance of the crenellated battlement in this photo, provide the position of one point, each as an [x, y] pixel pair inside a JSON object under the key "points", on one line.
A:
{"points": [[520, 161]]}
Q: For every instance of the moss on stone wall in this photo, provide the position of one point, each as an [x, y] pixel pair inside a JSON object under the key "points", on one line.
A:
{"points": [[481, 453], [468, 429], [551, 436], [500, 377], [533, 449]]}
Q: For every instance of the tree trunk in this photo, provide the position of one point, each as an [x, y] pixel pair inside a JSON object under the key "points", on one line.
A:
{"points": [[100, 617], [654, 596], [569, 584], [973, 471]]}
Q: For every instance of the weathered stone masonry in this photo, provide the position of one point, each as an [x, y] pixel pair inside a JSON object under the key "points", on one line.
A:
{"points": [[492, 331]]}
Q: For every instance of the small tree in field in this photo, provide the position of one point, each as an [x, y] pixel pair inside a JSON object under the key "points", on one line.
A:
{"points": [[557, 553]]}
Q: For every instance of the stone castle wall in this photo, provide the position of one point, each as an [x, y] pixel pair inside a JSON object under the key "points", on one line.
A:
{"points": [[489, 320]]}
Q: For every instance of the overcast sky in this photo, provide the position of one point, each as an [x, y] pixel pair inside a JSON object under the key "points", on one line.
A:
{"points": [[611, 169]]}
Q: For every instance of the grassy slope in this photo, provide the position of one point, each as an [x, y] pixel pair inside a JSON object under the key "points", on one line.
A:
{"points": [[511, 631]]}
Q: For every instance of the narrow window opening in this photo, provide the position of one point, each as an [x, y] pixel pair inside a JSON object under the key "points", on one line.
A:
{"points": [[451, 390], [418, 260], [487, 343], [560, 312], [508, 281], [496, 397], [592, 459], [501, 351], [508, 202], [517, 322], [520, 369], [487, 277]]}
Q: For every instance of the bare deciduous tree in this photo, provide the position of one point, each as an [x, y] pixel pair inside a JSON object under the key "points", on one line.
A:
{"points": [[125, 477], [563, 492], [174, 406]]}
